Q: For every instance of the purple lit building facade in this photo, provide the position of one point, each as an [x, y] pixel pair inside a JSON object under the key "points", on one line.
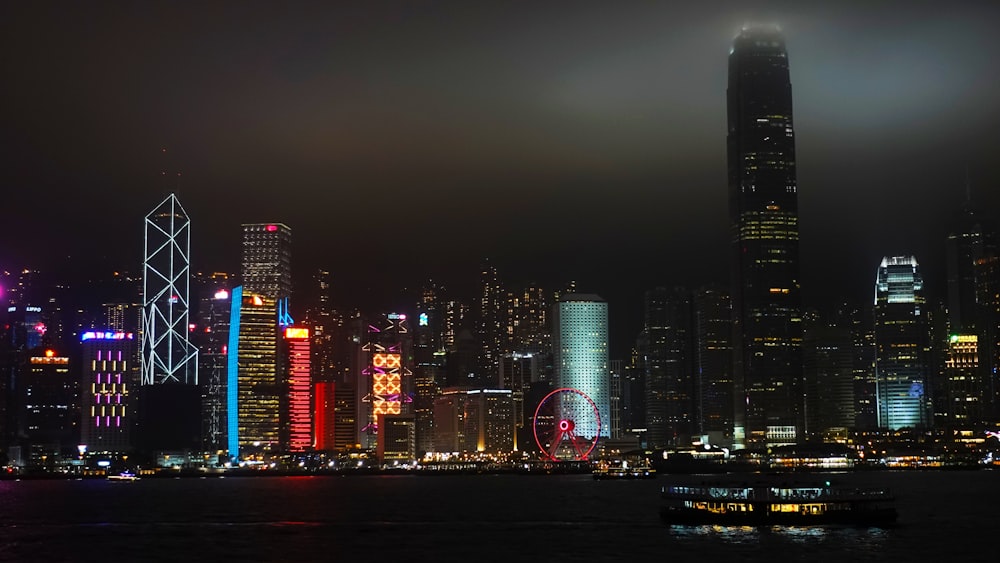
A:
{"points": [[107, 384]]}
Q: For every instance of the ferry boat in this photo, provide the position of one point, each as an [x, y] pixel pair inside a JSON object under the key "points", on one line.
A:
{"points": [[766, 503], [123, 476], [623, 470]]}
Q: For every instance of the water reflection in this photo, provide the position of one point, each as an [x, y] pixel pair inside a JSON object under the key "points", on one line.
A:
{"points": [[809, 535], [729, 534]]}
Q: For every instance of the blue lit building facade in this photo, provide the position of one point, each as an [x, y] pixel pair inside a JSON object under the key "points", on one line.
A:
{"points": [[580, 323], [901, 345], [253, 389]]}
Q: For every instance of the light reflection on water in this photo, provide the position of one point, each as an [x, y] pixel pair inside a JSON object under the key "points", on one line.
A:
{"points": [[729, 534], [791, 534]]}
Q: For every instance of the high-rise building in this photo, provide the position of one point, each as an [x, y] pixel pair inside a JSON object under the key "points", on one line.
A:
{"points": [[616, 394], [267, 260], [767, 330], [474, 420], [254, 387], [901, 345], [167, 355], [211, 335], [634, 395], [428, 367], [490, 327], [713, 365], [987, 273], [966, 390], [666, 358], [526, 326], [324, 415], [580, 343], [859, 321], [396, 439], [257, 395], [489, 421], [48, 409], [828, 380], [107, 391], [449, 420], [298, 427], [386, 380], [970, 239], [519, 373], [324, 325], [168, 400]]}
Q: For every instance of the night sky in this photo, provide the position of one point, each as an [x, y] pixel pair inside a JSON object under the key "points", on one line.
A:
{"points": [[562, 140]]}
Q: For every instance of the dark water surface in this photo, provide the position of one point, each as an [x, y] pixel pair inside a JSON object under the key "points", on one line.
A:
{"points": [[944, 516]]}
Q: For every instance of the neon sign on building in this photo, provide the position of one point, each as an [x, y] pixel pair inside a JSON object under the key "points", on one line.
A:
{"points": [[91, 335]]}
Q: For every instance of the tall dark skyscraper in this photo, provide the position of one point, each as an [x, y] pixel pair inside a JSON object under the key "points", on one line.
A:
{"points": [[713, 364], [666, 357], [767, 327], [970, 239]]}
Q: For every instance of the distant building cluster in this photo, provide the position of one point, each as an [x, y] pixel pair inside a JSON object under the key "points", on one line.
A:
{"points": [[180, 367]]}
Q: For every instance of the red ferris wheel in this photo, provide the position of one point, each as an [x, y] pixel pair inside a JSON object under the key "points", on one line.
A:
{"points": [[567, 425]]}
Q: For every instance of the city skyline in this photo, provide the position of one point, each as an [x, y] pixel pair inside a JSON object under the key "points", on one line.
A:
{"points": [[610, 140]]}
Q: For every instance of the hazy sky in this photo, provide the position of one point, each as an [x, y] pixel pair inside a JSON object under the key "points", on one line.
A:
{"points": [[564, 140]]}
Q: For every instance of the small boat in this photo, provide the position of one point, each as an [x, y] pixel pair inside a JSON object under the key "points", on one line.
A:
{"points": [[767, 503], [123, 476], [607, 470]]}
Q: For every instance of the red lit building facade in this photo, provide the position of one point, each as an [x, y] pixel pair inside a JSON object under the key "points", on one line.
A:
{"points": [[300, 422]]}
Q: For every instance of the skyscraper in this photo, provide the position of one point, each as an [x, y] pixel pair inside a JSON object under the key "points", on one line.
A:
{"points": [[211, 334], [169, 402], [580, 343], [666, 358], [254, 389], [106, 390], [490, 327], [767, 328], [256, 393], [298, 424], [713, 364], [966, 394], [267, 260], [828, 379], [970, 239], [167, 355], [386, 380], [987, 274], [428, 366], [49, 409], [901, 345]]}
